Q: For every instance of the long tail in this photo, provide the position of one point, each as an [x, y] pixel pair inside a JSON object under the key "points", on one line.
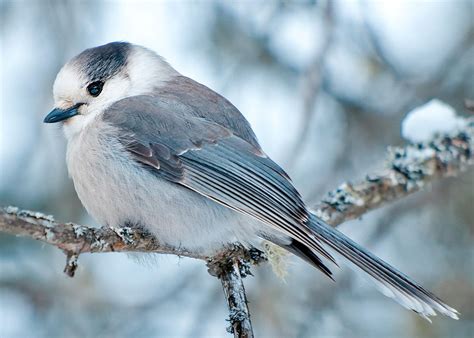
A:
{"points": [[392, 282]]}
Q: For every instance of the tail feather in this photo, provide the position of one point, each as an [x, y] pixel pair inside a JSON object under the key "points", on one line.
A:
{"points": [[309, 256], [390, 281]]}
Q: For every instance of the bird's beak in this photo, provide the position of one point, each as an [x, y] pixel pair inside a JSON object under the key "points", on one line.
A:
{"points": [[57, 114]]}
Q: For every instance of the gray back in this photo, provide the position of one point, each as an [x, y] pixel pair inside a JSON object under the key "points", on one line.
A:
{"points": [[208, 104]]}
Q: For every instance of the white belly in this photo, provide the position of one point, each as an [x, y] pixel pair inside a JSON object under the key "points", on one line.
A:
{"points": [[118, 191]]}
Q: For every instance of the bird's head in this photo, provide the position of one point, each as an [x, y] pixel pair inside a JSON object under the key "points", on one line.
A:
{"points": [[98, 77]]}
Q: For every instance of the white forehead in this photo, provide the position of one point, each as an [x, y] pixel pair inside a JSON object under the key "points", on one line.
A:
{"points": [[68, 84]]}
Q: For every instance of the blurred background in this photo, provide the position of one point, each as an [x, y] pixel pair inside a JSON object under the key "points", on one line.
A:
{"points": [[325, 86]]}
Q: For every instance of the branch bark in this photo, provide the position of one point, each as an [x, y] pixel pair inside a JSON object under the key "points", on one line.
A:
{"points": [[232, 283], [231, 267], [407, 170]]}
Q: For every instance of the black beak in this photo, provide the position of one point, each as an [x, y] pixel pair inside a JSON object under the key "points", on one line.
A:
{"points": [[57, 114]]}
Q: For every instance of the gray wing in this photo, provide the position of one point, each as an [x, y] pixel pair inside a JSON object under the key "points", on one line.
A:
{"points": [[208, 104], [211, 160]]}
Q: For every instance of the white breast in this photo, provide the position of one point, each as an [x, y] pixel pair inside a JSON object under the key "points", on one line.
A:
{"points": [[116, 190]]}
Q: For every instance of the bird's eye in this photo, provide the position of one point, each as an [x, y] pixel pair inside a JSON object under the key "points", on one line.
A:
{"points": [[95, 88]]}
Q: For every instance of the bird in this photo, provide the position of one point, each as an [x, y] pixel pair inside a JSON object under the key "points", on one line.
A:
{"points": [[148, 147]]}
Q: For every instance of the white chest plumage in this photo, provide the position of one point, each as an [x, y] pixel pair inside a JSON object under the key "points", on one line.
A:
{"points": [[118, 191]]}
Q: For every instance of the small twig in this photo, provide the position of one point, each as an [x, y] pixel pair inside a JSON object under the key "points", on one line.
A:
{"points": [[231, 267], [71, 263], [231, 272]]}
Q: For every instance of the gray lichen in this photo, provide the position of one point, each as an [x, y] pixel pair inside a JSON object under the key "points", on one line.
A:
{"points": [[125, 233], [99, 245], [79, 230], [343, 197]]}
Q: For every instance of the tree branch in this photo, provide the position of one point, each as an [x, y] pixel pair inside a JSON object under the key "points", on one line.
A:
{"points": [[75, 239], [231, 268], [408, 169]]}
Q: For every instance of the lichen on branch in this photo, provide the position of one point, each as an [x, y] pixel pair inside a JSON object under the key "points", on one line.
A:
{"points": [[406, 170]]}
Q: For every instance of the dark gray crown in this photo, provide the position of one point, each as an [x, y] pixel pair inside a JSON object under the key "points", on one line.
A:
{"points": [[102, 62]]}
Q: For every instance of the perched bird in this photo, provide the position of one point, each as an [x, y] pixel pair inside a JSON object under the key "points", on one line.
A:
{"points": [[151, 148]]}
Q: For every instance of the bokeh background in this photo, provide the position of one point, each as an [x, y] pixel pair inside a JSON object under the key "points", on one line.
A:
{"points": [[325, 86]]}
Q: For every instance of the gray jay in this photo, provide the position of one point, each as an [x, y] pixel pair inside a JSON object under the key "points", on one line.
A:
{"points": [[149, 147]]}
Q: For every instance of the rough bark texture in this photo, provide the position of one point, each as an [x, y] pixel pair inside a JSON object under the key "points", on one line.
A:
{"points": [[407, 170], [231, 272], [232, 283]]}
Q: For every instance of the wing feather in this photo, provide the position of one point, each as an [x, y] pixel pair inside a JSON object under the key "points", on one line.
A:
{"points": [[211, 160]]}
